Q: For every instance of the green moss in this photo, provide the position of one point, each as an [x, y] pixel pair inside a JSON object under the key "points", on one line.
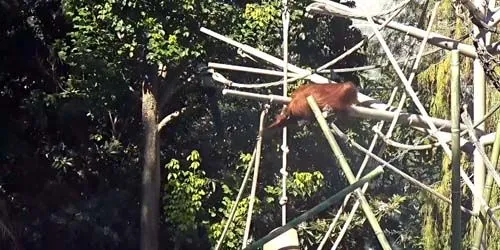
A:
{"points": [[493, 98], [437, 214], [436, 80]]}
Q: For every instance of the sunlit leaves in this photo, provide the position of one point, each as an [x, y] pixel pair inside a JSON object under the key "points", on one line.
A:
{"points": [[245, 158], [186, 190], [301, 185], [262, 15]]}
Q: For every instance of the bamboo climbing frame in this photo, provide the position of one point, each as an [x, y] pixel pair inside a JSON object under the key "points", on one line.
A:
{"points": [[444, 131]]}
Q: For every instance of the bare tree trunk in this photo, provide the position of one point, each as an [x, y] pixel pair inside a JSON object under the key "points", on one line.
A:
{"points": [[150, 207]]}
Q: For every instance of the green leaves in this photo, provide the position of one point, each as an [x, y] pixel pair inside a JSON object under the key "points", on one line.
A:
{"points": [[186, 191], [262, 15], [306, 184], [302, 185]]}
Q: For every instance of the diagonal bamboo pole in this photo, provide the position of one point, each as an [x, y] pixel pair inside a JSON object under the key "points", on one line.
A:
{"points": [[254, 179], [481, 221], [480, 149], [486, 208], [436, 39], [348, 173], [315, 210], [456, 221], [237, 201], [278, 62], [388, 165], [383, 147], [358, 175], [424, 113]]}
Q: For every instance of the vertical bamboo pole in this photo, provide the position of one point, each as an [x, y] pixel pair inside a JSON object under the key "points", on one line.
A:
{"points": [[479, 107], [456, 231], [254, 180], [481, 221], [348, 173], [479, 110], [284, 146]]}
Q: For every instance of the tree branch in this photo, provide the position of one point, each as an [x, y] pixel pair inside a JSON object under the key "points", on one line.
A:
{"points": [[170, 117]]}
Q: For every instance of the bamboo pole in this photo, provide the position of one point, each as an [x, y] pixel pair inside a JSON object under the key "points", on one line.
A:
{"points": [[405, 119], [391, 167], [481, 221], [316, 209], [367, 157], [456, 232], [254, 179], [348, 173], [435, 39], [284, 145], [479, 97], [486, 116], [479, 100], [480, 149], [379, 126], [486, 208], [249, 69], [374, 66], [278, 62], [238, 198], [424, 113]]}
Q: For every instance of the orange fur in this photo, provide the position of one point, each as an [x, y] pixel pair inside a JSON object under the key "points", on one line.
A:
{"points": [[337, 97]]}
